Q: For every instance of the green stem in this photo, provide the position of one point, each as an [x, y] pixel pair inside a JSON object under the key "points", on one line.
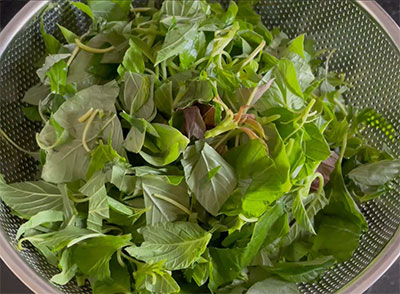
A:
{"points": [[8, 139], [253, 54], [173, 202], [73, 55], [303, 118], [224, 138], [86, 129], [91, 49], [127, 257]]}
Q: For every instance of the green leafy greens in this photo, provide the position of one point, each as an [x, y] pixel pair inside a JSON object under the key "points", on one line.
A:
{"points": [[189, 148]]}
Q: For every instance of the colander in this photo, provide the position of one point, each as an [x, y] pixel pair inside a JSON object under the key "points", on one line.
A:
{"points": [[367, 42]]}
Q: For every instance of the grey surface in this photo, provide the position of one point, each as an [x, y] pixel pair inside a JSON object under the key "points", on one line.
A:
{"points": [[389, 283]]}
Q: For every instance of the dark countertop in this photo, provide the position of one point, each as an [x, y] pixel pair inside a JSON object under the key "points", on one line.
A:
{"points": [[389, 283]]}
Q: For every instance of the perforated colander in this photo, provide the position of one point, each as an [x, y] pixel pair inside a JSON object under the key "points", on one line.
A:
{"points": [[367, 43]]}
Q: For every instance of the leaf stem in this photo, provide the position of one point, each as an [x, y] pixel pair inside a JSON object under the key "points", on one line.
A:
{"points": [[173, 202], [248, 220], [119, 258], [224, 138], [86, 129], [8, 139], [164, 70], [73, 55], [253, 54], [91, 49], [77, 200], [86, 115], [130, 258], [304, 116]]}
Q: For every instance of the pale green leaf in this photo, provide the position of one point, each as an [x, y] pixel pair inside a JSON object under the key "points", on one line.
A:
{"points": [[199, 161], [179, 244]]}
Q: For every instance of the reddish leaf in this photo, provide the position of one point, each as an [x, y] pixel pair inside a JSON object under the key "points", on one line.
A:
{"points": [[325, 169], [194, 123]]}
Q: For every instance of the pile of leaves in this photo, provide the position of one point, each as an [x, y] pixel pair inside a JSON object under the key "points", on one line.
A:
{"points": [[190, 149]]}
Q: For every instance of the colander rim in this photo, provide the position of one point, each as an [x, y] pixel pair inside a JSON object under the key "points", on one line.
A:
{"points": [[380, 264]]}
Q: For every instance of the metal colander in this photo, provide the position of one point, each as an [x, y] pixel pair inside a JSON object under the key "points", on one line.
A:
{"points": [[367, 43]]}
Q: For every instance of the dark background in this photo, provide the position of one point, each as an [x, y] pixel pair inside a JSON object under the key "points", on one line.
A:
{"points": [[389, 283]]}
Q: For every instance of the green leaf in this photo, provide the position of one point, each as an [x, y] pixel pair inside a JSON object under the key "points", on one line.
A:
{"points": [[93, 255], [32, 113], [228, 263], [58, 77], [69, 269], [316, 147], [36, 94], [166, 148], [166, 202], [84, 8], [29, 198], [69, 162], [185, 11], [132, 62], [222, 39], [376, 173], [164, 98], [273, 286], [57, 240], [134, 141], [315, 204], [303, 271], [341, 204], [179, 244], [297, 46], [43, 217], [69, 36], [153, 278], [285, 91], [123, 215], [178, 38], [119, 281], [112, 10], [262, 178], [68, 206], [124, 179], [199, 272], [199, 161], [51, 43], [192, 51], [49, 62], [98, 205], [100, 156], [332, 229], [194, 91], [138, 98]]}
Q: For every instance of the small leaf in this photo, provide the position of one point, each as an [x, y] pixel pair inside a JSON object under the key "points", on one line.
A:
{"points": [[84, 8], [297, 46], [69, 36], [166, 148]]}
